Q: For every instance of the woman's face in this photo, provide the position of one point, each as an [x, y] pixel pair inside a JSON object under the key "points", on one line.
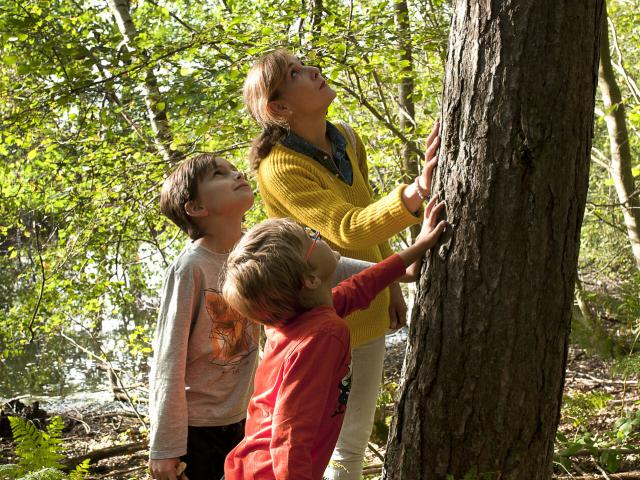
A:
{"points": [[302, 92]]}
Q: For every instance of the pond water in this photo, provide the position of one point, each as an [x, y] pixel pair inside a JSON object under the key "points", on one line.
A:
{"points": [[62, 375], [61, 370]]}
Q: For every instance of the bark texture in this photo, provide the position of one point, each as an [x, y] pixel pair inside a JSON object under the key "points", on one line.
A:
{"points": [[619, 141], [484, 372]]}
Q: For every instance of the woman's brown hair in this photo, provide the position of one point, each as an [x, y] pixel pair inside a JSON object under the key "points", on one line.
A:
{"points": [[261, 87]]}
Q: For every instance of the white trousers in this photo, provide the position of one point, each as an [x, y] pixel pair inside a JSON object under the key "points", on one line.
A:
{"points": [[366, 376]]}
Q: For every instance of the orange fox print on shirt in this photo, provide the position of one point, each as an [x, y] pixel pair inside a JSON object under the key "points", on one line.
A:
{"points": [[233, 337]]}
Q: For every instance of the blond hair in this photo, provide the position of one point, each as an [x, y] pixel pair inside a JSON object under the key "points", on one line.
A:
{"points": [[261, 87], [265, 273], [180, 187]]}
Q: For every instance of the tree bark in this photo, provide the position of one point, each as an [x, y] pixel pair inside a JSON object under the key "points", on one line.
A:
{"points": [[616, 120], [484, 372], [156, 108]]}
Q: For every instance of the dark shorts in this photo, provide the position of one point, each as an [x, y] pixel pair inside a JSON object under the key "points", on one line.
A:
{"points": [[207, 447]]}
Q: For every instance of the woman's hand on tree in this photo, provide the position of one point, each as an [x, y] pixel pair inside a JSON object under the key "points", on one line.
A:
{"points": [[430, 159], [419, 190]]}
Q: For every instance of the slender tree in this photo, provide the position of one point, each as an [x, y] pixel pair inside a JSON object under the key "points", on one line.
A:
{"points": [[156, 107], [616, 120], [484, 371], [406, 106], [316, 20]]}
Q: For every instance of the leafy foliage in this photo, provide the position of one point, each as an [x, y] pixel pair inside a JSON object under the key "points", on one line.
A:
{"points": [[580, 407], [81, 471], [39, 452], [83, 244], [628, 366], [37, 449], [44, 474], [382, 418], [609, 447], [9, 471]]}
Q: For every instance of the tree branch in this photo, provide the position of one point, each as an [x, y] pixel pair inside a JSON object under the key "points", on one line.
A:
{"points": [[365, 103], [69, 464], [176, 18], [635, 92], [42, 284], [112, 371]]}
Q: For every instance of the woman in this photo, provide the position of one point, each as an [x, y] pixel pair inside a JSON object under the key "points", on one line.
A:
{"points": [[316, 173]]}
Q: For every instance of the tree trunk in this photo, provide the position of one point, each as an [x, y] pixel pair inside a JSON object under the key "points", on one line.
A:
{"points": [[615, 117], [484, 372], [152, 96], [316, 20], [406, 108]]}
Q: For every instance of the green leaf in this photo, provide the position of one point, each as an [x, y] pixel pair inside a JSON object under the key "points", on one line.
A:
{"points": [[610, 461], [23, 69]]}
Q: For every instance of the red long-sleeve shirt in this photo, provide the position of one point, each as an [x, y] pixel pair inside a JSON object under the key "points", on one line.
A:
{"points": [[301, 386]]}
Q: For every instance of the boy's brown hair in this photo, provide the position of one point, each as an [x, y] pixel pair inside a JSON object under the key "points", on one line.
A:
{"points": [[180, 187], [265, 273]]}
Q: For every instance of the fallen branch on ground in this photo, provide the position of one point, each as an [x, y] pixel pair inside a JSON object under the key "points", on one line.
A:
{"points": [[596, 452], [120, 473], [635, 475], [102, 453], [372, 469], [375, 451]]}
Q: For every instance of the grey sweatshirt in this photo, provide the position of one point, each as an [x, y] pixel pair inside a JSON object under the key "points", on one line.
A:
{"points": [[205, 355]]}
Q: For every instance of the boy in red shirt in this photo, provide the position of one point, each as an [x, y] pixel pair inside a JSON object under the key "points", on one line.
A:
{"points": [[281, 276]]}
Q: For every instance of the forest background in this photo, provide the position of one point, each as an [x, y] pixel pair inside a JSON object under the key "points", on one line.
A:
{"points": [[100, 99]]}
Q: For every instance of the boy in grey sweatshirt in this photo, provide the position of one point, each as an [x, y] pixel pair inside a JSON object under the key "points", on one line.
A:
{"points": [[205, 354]]}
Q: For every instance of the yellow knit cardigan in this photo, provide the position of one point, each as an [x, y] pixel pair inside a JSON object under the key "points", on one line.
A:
{"points": [[296, 186]]}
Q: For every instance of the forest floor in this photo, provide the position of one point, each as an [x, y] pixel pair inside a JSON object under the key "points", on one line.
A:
{"points": [[595, 399]]}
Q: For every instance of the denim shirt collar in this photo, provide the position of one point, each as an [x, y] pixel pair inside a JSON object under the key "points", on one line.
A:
{"points": [[339, 165]]}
